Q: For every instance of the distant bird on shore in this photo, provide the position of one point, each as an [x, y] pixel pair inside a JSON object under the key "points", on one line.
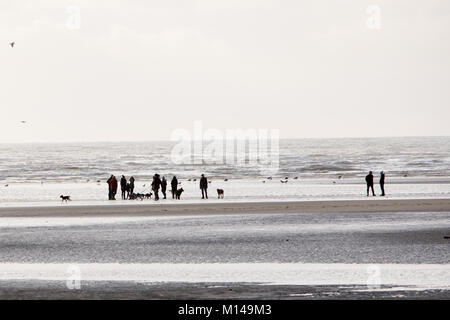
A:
{"points": [[264, 181], [6, 185], [12, 44], [339, 177], [283, 181], [269, 178], [189, 179], [295, 178], [225, 179]]}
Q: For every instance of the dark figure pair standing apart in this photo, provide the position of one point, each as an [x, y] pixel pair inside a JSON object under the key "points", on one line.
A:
{"points": [[369, 182]]}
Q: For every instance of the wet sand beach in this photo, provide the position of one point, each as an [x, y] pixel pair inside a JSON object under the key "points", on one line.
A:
{"points": [[266, 250], [152, 208]]}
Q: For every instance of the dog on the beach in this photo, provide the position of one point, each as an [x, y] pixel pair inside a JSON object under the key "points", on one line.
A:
{"points": [[220, 193], [136, 196], [140, 196], [65, 198], [132, 196], [178, 193]]}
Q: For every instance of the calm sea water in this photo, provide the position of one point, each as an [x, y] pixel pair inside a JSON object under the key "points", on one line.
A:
{"points": [[311, 158]]}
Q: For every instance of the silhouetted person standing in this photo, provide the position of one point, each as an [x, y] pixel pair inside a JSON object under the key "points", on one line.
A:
{"points": [[204, 186], [174, 185], [123, 187], [112, 187], [382, 176], [132, 185], [164, 186], [369, 182], [128, 188], [155, 185]]}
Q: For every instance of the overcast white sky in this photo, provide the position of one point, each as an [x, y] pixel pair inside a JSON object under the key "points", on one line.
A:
{"points": [[139, 69]]}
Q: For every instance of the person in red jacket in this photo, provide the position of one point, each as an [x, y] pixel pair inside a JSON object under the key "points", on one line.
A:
{"points": [[112, 187]]}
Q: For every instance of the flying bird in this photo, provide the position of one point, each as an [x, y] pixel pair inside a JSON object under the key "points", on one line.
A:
{"points": [[12, 44]]}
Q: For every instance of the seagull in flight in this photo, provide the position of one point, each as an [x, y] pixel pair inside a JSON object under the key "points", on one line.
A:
{"points": [[12, 44]]}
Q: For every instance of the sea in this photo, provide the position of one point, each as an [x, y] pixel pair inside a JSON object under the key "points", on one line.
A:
{"points": [[306, 169]]}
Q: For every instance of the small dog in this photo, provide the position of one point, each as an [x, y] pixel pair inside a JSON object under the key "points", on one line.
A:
{"points": [[132, 196], [178, 193], [220, 193], [148, 195], [135, 196], [65, 198], [140, 196]]}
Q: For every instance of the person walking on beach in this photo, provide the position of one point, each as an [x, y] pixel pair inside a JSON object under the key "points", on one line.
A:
{"points": [[164, 186], [112, 187], [204, 186], [155, 185], [369, 182], [382, 176], [123, 186], [131, 185], [174, 185]]}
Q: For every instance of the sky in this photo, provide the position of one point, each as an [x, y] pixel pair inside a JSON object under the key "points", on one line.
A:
{"points": [[111, 70]]}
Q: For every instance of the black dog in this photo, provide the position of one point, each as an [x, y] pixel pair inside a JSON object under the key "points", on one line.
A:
{"points": [[178, 193], [148, 195], [135, 196], [65, 198], [220, 193]]}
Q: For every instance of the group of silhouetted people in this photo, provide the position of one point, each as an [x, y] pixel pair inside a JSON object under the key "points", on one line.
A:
{"points": [[127, 187], [369, 182]]}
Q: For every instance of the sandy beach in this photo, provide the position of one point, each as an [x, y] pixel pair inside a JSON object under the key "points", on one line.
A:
{"points": [[165, 209], [257, 250]]}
